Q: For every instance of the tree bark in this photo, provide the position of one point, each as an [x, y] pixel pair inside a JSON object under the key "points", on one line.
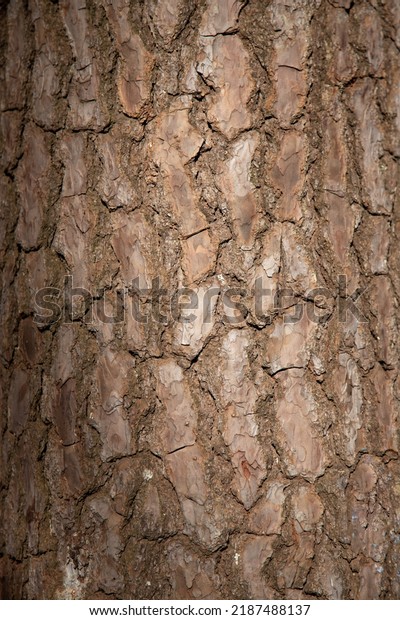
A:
{"points": [[200, 299]]}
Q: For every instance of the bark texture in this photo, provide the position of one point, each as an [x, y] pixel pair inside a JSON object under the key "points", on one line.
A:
{"points": [[212, 144]]}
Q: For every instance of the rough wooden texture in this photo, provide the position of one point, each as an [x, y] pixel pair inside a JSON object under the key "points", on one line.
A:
{"points": [[219, 145]]}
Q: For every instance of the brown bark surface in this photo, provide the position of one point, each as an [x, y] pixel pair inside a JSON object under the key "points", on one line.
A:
{"points": [[213, 145]]}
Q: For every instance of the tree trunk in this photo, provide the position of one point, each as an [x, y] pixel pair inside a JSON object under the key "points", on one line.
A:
{"points": [[200, 285]]}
